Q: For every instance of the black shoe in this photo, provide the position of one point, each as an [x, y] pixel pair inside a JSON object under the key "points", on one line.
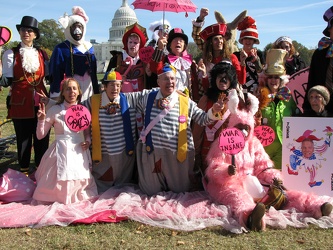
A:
{"points": [[254, 222], [326, 209]]}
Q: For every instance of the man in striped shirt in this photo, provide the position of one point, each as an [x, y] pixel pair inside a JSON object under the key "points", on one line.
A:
{"points": [[113, 132], [165, 152]]}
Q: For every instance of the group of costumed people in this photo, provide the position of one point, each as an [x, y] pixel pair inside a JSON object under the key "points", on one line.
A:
{"points": [[157, 122]]}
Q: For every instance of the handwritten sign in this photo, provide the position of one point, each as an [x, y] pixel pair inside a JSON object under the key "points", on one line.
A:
{"points": [[5, 35], [77, 118], [146, 53], [231, 141], [265, 134]]}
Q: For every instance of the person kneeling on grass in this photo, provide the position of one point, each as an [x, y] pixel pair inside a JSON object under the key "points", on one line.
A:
{"points": [[64, 172]]}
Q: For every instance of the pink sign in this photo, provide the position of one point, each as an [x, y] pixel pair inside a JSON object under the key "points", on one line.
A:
{"points": [[146, 53], [5, 35], [265, 134], [77, 118], [297, 84], [231, 141]]}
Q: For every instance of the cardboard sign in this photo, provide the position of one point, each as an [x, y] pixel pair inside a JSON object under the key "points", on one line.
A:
{"points": [[231, 141], [146, 54], [77, 118], [265, 134], [297, 84], [307, 154], [5, 35]]}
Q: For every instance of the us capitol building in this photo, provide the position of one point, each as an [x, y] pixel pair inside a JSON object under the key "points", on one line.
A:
{"points": [[123, 17]]}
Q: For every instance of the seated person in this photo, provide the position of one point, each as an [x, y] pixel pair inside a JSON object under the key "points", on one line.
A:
{"points": [[318, 97]]}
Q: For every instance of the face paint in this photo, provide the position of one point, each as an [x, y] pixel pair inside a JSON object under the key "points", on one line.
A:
{"points": [[77, 31]]}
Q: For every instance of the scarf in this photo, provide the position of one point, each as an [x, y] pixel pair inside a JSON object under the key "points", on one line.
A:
{"points": [[30, 59], [326, 43]]}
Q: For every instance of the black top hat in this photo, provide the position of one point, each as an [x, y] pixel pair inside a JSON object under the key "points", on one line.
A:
{"points": [[176, 32], [29, 22]]}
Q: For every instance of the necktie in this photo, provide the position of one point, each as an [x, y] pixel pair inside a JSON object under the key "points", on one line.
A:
{"points": [[162, 103], [182, 136], [111, 108]]}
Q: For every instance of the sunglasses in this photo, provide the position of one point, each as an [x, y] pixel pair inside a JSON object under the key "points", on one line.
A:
{"points": [[29, 30], [273, 77], [285, 47]]}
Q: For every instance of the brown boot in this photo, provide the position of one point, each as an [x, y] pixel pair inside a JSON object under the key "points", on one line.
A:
{"points": [[326, 209], [254, 222]]}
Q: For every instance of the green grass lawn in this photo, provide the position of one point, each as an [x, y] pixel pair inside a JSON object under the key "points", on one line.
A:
{"points": [[6, 130], [134, 235]]}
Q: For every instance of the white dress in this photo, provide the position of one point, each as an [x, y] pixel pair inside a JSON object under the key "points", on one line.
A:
{"points": [[64, 172]]}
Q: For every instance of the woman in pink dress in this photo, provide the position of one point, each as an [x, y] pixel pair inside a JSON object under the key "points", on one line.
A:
{"points": [[64, 172]]}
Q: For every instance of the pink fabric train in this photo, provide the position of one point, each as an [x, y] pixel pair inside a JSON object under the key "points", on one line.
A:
{"points": [[226, 183], [15, 186]]}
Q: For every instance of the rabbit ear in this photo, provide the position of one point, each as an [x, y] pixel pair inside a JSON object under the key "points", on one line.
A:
{"points": [[252, 103], [219, 18], [233, 101], [233, 25], [64, 20]]}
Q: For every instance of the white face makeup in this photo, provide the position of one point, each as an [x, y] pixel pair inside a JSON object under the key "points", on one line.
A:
{"points": [[133, 45]]}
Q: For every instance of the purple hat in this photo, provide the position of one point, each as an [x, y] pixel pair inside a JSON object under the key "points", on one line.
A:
{"points": [[328, 17]]}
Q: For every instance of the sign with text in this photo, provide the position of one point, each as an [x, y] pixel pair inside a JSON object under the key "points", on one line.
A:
{"points": [[307, 154], [77, 118], [231, 141], [146, 54], [265, 134]]}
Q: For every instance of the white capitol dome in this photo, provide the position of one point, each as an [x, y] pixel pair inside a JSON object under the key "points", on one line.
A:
{"points": [[123, 17]]}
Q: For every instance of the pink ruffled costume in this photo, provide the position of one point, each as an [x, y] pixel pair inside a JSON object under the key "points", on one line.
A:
{"points": [[252, 160]]}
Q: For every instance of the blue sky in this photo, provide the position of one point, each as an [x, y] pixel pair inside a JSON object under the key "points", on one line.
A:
{"points": [[302, 20]]}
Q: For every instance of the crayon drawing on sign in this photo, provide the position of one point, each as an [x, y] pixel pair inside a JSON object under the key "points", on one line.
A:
{"points": [[307, 154]]}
